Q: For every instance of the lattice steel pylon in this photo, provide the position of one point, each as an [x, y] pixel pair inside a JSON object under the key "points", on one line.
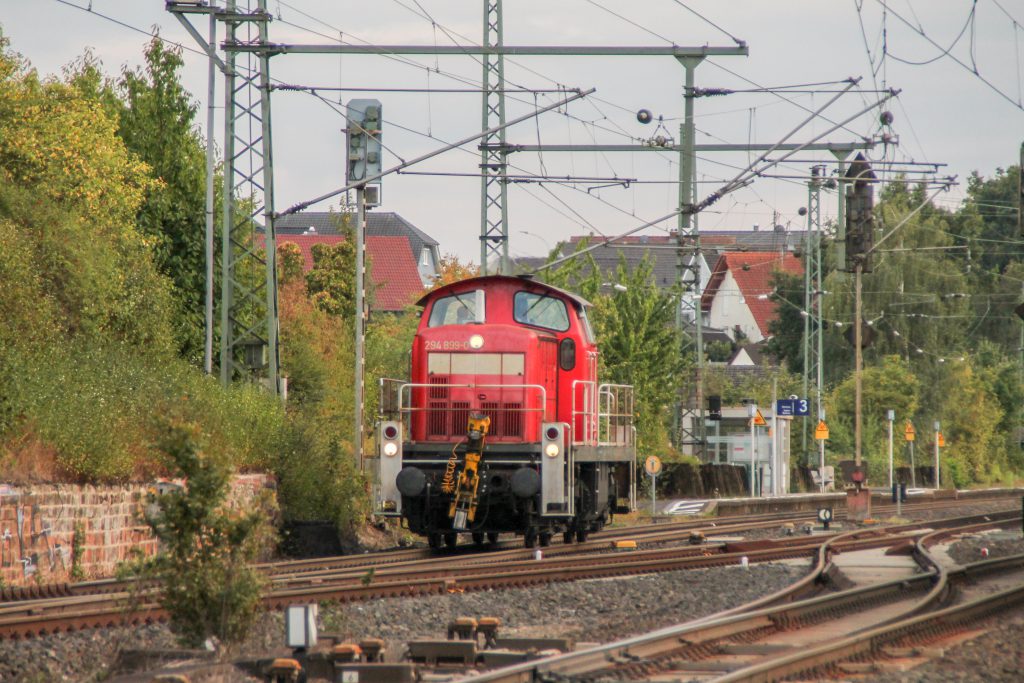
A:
{"points": [[692, 429], [493, 154], [813, 330], [249, 320]]}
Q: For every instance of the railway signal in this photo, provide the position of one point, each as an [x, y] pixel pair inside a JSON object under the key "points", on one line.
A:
{"points": [[364, 144]]}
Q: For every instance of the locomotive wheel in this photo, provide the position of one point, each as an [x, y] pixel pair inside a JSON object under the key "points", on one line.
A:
{"points": [[545, 539], [492, 537], [434, 540], [581, 535], [478, 538], [451, 540], [530, 538], [567, 537]]}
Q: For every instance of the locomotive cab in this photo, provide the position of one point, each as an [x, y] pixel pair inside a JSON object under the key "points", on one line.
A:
{"points": [[503, 425]]}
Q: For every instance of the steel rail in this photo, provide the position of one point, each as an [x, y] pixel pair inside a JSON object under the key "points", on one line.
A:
{"points": [[870, 641], [24, 618], [643, 533], [31, 617], [700, 634]]}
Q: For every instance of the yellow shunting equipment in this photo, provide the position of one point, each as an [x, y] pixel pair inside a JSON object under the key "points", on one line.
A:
{"points": [[624, 545], [463, 507]]}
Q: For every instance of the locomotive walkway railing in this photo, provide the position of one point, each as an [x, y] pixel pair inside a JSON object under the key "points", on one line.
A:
{"points": [[508, 418], [602, 414]]}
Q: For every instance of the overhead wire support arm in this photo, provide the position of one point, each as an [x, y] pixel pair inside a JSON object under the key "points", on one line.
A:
{"points": [[744, 178], [429, 155], [704, 147], [505, 50], [179, 11]]}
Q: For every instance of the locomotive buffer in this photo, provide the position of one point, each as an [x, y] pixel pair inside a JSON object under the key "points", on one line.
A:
{"points": [[463, 508]]}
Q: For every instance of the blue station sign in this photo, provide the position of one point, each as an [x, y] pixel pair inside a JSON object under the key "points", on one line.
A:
{"points": [[792, 407]]}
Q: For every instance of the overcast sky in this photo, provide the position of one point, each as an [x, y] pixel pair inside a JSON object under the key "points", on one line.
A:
{"points": [[945, 114]]}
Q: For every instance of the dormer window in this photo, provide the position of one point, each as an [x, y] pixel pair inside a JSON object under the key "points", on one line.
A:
{"points": [[425, 257]]}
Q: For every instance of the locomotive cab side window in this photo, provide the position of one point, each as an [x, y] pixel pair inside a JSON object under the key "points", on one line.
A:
{"points": [[458, 309], [588, 331], [540, 310]]}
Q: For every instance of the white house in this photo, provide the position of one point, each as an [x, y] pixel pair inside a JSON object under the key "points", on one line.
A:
{"points": [[736, 298]]}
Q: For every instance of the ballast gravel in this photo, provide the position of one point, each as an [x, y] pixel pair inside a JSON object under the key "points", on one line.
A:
{"points": [[586, 611], [995, 656], [589, 610]]}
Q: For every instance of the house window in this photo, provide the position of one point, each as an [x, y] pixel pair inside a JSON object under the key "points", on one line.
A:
{"points": [[425, 257]]}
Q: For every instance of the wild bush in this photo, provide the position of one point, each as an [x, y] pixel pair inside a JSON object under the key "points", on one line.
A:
{"points": [[208, 583]]}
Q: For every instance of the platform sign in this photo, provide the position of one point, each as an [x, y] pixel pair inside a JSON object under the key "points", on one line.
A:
{"points": [[908, 433], [790, 407], [759, 420], [821, 431]]}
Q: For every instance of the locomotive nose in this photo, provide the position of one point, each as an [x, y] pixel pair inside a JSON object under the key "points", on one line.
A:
{"points": [[411, 481]]}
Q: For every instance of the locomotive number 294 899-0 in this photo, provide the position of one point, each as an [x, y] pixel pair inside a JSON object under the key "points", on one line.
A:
{"points": [[446, 345]]}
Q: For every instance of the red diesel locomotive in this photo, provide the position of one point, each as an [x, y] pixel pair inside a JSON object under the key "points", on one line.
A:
{"points": [[503, 426]]}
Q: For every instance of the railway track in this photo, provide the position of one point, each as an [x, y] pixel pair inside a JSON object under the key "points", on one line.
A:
{"points": [[783, 637], [410, 572], [496, 553]]}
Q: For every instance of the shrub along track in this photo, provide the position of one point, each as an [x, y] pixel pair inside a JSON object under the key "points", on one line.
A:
{"points": [[738, 645], [439, 575]]}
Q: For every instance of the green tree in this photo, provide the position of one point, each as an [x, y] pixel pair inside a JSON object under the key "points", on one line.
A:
{"points": [[70, 191], [157, 123], [969, 415], [331, 281], [890, 385], [209, 585]]}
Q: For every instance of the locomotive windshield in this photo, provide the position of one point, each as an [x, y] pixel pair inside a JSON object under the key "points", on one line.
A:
{"points": [[458, 309], [541, 310]]}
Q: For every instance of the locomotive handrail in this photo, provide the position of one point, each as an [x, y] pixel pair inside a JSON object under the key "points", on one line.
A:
{"points": [[615, 414], [606, 414], [413, 385], [587, 433], [407, 410]]}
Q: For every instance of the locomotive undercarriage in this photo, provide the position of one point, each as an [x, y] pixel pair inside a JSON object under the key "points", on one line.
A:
{"points": [[508, 498]]}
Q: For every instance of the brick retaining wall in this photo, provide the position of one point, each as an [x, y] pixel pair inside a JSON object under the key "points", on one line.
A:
{"points": [[40, 547]]}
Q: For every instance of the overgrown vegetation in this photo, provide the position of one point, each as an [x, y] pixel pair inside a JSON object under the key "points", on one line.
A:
{"points": [[101, 229], [208, 584]]}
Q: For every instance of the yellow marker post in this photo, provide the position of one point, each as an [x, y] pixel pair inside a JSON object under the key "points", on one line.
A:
{"points": [[909, 434]]}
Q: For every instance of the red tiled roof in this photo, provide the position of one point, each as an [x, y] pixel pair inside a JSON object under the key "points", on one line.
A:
{"points": [[752, 272], [393, 271], [305, 244]]}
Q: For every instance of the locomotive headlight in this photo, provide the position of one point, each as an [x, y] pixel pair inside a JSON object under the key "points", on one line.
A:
{"points": [[551, 450], [390, 449], [476, 342]]}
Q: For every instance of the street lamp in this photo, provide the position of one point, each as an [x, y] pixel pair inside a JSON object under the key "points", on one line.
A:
{"points": [[532, 234]]}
